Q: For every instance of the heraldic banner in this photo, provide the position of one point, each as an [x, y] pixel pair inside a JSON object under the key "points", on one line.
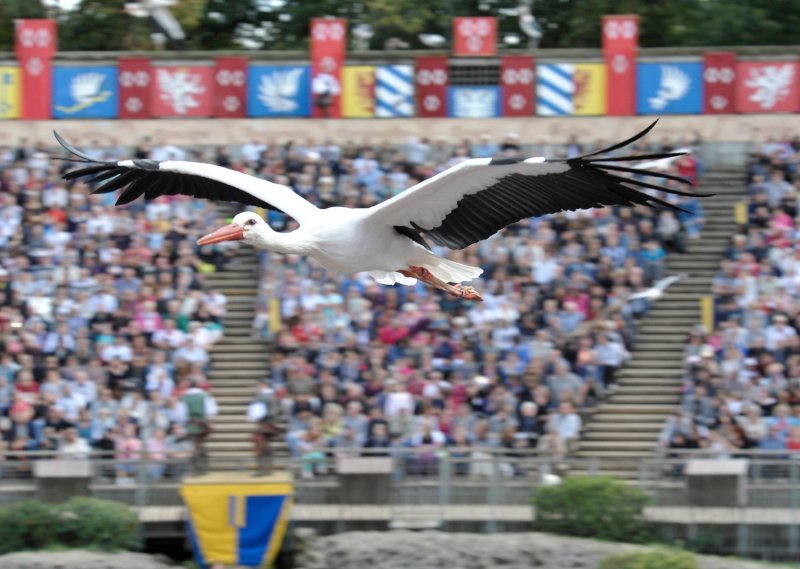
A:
{"points": [[230, 87], [516, 79], [134, 76], [182, 92], [358, 91], [620, 43], [433, 78], [328, 45], [719, 82], [236, 518], [35, 43]]}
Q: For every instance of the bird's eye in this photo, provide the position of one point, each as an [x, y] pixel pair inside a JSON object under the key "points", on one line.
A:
{"points": [[251, 222]]}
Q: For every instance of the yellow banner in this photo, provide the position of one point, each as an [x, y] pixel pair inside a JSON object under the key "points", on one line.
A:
{"points": [[590, 89], [9, 93], [358, 91]]}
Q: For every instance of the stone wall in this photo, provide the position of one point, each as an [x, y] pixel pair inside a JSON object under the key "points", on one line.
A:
{"points": [[551, 130]]}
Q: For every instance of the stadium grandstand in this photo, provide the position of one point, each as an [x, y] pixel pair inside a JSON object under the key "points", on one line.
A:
{"points": [[658, 346]]}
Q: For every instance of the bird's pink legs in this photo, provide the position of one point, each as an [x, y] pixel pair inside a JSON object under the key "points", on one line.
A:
{"points": [[457, 290]]}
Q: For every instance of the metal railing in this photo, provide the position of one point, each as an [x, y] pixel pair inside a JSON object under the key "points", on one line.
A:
{"points": [[484, 489]]}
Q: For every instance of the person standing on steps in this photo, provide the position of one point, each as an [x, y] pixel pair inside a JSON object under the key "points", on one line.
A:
{"points": [[198, 408], [265, 412]]}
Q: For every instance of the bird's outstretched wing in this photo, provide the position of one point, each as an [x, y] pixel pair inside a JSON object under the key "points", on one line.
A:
{"points": [[473, 200], [151, 179]]}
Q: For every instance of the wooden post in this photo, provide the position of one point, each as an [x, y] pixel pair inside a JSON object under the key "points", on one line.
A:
{"points": [[707, 312]]}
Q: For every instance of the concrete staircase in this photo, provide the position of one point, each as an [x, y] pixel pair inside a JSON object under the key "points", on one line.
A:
{"points": [[238, 360], [626, 425]]}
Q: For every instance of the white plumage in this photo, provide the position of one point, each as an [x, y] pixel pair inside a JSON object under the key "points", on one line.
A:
{"points": [[85, 88], [674, 85], [460, 206], [658, 289]]}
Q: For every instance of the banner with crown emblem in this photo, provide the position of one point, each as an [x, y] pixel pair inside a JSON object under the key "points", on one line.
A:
{"points": [[9, 93], [589, 96], [85, 92], [670, 88], [279, 91], [767, 87], [358, 91], [182, 92]]}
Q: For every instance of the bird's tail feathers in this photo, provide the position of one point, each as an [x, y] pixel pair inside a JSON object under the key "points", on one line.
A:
{"points": [[451, 271]]}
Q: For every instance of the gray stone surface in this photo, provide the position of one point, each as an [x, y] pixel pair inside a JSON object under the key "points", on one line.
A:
{"points": [[432, 549], [80, 559]]}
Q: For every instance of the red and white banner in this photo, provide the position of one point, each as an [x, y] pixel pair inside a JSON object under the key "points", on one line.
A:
{"points": [[230, 87], [475, 36], [767, 87], [517, 85], [35, 43], [620, 44], [182, 92], [328, 46], [134, 76], [432, 78], [35, 38], [719, 82]]}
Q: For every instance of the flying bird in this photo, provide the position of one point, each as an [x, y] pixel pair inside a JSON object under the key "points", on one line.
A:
{"points": [[657, 290], [455, 208]]}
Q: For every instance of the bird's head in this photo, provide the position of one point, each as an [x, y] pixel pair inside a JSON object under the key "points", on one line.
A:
{"points": [[246, 226]]}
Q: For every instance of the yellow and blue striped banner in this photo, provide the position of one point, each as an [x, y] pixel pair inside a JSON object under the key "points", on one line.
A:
{"points": [[237, 519], [9, 93]]}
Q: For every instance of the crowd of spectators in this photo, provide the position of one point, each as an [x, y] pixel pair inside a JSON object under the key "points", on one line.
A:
{"points": [[358, 364], [741, 390], [105, 320]]}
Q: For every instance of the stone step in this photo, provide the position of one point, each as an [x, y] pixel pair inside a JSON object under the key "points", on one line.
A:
{"points": [[238, 373], [630, 427], [640, 446], [635, 416], [256, 346], [642, 390], [240, 357], [645, 369], [617, 453], [628, 380], [642, 408], [635, 399], [612, 437]]}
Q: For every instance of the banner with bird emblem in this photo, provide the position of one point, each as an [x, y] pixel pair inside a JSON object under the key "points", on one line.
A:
{"points": [[394, 91], [279, 91], [477, 102], [719, 82], [134, 75], [670, 88], [767, 87], [358, 91], [517, 78], [230, 87], [620, 44], [85, 92], [182, 91], [9, 93]]}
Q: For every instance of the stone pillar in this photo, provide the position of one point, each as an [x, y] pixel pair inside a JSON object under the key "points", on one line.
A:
{"points": [[59, 480], [717, 483], [364, 479]]}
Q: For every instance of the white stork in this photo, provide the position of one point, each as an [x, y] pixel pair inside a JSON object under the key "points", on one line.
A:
{"points": [[456, 208]]}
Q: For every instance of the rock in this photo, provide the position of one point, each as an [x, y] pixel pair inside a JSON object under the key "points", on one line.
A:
{"points": [[431, 549], [79, 559]]}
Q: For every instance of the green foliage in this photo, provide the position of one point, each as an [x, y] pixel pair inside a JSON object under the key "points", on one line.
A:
{"points": [[78, 523], [599, 507], [656, 559], [102, 25]]}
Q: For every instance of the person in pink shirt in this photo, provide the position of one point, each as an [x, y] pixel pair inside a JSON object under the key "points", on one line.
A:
{"points": [[129, 449], [156, 449]]}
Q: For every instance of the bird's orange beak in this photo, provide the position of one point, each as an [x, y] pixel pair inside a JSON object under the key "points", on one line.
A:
{"points": [[230, 232]]}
